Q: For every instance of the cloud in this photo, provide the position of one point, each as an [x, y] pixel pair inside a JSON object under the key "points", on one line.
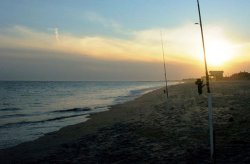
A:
{"points": [[23, 64], [137, 57], [24, 37], [57, 34], [182, 44], [95, 46], [107, 23]]}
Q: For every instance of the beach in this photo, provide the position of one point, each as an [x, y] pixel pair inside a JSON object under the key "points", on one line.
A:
{"points": [[152, 129], [31, 109]]}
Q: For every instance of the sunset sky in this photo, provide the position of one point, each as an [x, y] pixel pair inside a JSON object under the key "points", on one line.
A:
{"points": [[121, 40]]}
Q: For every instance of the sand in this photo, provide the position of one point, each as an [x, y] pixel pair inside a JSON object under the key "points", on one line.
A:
{"points": [[152, 129]]}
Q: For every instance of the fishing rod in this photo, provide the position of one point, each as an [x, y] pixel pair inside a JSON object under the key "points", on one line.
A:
{"points": [[164, 63], [210, 114]]}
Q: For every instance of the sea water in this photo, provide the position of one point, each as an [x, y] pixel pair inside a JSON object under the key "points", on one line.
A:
{"points": [[29, 110]]}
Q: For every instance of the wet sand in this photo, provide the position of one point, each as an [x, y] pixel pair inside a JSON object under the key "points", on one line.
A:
{"points": [[152, 129]]}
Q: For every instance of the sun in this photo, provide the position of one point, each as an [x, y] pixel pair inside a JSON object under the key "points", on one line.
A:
{"points": [[219, 51]]}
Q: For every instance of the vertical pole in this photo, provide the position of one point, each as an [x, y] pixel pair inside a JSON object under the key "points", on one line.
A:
{"points": [[165, 74], [211, 131]]}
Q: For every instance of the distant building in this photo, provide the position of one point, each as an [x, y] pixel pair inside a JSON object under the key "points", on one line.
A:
{"points": [[217, 75]]}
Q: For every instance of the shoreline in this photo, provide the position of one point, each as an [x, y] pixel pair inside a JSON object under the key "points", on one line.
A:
{"points": [[93, 123], [151, 129], [68, 116]]}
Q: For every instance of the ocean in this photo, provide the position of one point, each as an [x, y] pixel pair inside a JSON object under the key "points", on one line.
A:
{"points": [[29, 110]]}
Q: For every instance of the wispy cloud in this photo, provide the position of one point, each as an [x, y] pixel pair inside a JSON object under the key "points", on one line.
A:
{"points": [[57, 34], [182, 44], [54, 31], [24, 37], [105, 22]]}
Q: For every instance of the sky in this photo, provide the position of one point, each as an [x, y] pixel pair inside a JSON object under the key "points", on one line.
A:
{"points": [[121, 40]]}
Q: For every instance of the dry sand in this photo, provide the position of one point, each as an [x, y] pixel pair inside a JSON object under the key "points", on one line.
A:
{"points": [[152, 129]]}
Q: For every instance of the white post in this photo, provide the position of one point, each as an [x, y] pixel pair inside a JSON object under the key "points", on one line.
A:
{"points": [[211, 129]]}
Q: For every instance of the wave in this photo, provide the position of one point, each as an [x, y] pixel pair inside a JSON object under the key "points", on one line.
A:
{"points": [[39, 121], [72, 110], [144, 90], [10, 109], [14, 115], [134, 94]]}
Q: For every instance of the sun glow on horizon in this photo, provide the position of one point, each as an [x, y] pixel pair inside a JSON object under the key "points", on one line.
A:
{"points": [[218, 52]]}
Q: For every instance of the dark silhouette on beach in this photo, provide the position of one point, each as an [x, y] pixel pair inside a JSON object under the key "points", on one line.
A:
{"points": [[200, 85]]}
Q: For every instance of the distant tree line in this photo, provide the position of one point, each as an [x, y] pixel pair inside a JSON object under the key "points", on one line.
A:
{"points": [[236, 76], [240, 76]]}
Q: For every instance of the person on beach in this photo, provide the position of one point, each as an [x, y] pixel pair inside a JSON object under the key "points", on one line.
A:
{"points": [[200, 85]]}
